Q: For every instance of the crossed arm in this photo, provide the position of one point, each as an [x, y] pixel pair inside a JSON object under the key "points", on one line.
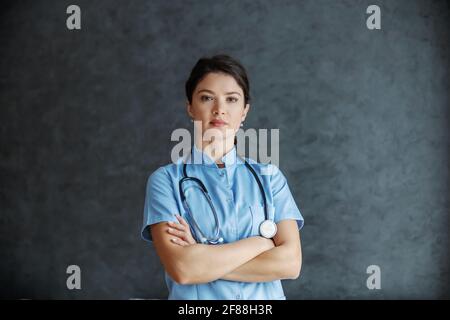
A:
{"points": [[253, 259]]}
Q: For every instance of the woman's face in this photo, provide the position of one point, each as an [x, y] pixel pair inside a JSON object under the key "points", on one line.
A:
{"points": [[218, 102]]}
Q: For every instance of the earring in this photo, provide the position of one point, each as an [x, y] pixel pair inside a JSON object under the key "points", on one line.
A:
{"points": [[242, 124], [192, 120]]}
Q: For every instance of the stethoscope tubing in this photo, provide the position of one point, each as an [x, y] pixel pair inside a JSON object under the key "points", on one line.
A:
{"points": [[205, 192]]}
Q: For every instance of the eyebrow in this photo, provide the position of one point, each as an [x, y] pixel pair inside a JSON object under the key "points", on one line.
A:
{"points": [[213, 92]]}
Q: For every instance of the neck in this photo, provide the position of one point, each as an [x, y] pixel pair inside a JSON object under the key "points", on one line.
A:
{"points": [[216, 149]]}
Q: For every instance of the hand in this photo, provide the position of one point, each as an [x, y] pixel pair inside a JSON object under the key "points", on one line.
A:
{"points": [[181, 232]]}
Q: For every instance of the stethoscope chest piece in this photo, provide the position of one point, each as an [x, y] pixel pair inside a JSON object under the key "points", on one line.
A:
{"points": [[268, 229], [205, 240]]}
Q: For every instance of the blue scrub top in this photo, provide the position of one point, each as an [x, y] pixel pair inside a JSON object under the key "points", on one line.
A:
{"points": [[239, 206]]}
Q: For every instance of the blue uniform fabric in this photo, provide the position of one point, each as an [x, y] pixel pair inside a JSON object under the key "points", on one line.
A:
{"points": [[239, 207]]}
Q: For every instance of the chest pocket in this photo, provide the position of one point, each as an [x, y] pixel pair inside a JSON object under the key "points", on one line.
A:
{"points": [[258, 216]]}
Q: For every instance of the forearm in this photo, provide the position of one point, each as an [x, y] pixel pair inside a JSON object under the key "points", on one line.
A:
{"points": [[205, 263], [273, 264]]}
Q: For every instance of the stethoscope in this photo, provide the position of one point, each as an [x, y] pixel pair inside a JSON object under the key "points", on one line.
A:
{"points": [[267, 228]]}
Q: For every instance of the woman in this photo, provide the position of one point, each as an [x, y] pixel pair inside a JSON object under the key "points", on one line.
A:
{"points": [[217, 250]]}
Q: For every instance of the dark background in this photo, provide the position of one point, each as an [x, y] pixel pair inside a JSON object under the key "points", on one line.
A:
{"points": [[86, 117]]}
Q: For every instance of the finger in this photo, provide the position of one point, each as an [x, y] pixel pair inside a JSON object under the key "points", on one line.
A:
{"points": [[184, 243], [183, 233], [191, 240], [177, 225], [182, 221], [179, 242], [180, 234]]}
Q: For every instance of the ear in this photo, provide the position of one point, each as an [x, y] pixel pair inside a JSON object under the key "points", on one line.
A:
{"points": [[189, 109], [244, 113]]}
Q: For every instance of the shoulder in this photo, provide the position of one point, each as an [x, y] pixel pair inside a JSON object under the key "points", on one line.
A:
{"points": [[164, 174]]}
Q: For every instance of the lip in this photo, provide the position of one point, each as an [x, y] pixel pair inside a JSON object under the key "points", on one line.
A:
{"points": [[218, 123]]}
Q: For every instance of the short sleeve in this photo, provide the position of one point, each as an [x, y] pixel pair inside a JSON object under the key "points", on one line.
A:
{"points": [[283, 201], [160, 204]]}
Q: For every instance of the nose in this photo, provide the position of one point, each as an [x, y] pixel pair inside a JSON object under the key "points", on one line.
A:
{"points": [[219, 107]]}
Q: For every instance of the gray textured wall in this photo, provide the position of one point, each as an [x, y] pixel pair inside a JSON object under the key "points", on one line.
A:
{"points": [[87, 115]]}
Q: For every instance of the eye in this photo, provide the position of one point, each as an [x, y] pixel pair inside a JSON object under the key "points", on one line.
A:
{"points": [[232, 99], [205, 98]]}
